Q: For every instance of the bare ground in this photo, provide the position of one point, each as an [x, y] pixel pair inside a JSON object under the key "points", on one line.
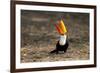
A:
{"points": [[39, 36], [41, 54]]}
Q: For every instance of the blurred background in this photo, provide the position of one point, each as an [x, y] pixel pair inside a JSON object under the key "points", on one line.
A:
{"points": [[39, 35]]}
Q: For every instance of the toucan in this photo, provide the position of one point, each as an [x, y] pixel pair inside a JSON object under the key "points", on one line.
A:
{"points": [[62, 43]]}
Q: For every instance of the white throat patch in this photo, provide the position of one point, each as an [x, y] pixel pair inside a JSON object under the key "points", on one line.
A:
{"points": [[62, 40]]}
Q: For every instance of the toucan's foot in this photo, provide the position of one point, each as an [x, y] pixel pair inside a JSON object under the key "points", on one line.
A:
{"points": [[61, 52], [57, 52]]}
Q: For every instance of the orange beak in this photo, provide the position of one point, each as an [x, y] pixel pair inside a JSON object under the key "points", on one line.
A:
{"points": [[61, 28]]}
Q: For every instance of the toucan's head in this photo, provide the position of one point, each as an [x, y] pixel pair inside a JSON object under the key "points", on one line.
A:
{"points": [[62, 30]]}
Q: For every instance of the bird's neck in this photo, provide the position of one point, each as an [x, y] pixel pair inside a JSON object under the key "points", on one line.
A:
{"points": [[62, 40]]}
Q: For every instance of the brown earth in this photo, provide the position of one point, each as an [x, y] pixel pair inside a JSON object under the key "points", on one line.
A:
{"points": [[39, 36]]}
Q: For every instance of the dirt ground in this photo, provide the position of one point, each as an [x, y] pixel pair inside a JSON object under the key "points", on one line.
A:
{"points": [[39, 36], [42, 55]]}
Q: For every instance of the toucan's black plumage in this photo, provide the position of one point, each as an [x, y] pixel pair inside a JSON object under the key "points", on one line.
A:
{"points": [[60, 48], [62, 44]]}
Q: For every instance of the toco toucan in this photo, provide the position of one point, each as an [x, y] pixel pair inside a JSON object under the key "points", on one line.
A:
{"points": [[62, 44]]}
